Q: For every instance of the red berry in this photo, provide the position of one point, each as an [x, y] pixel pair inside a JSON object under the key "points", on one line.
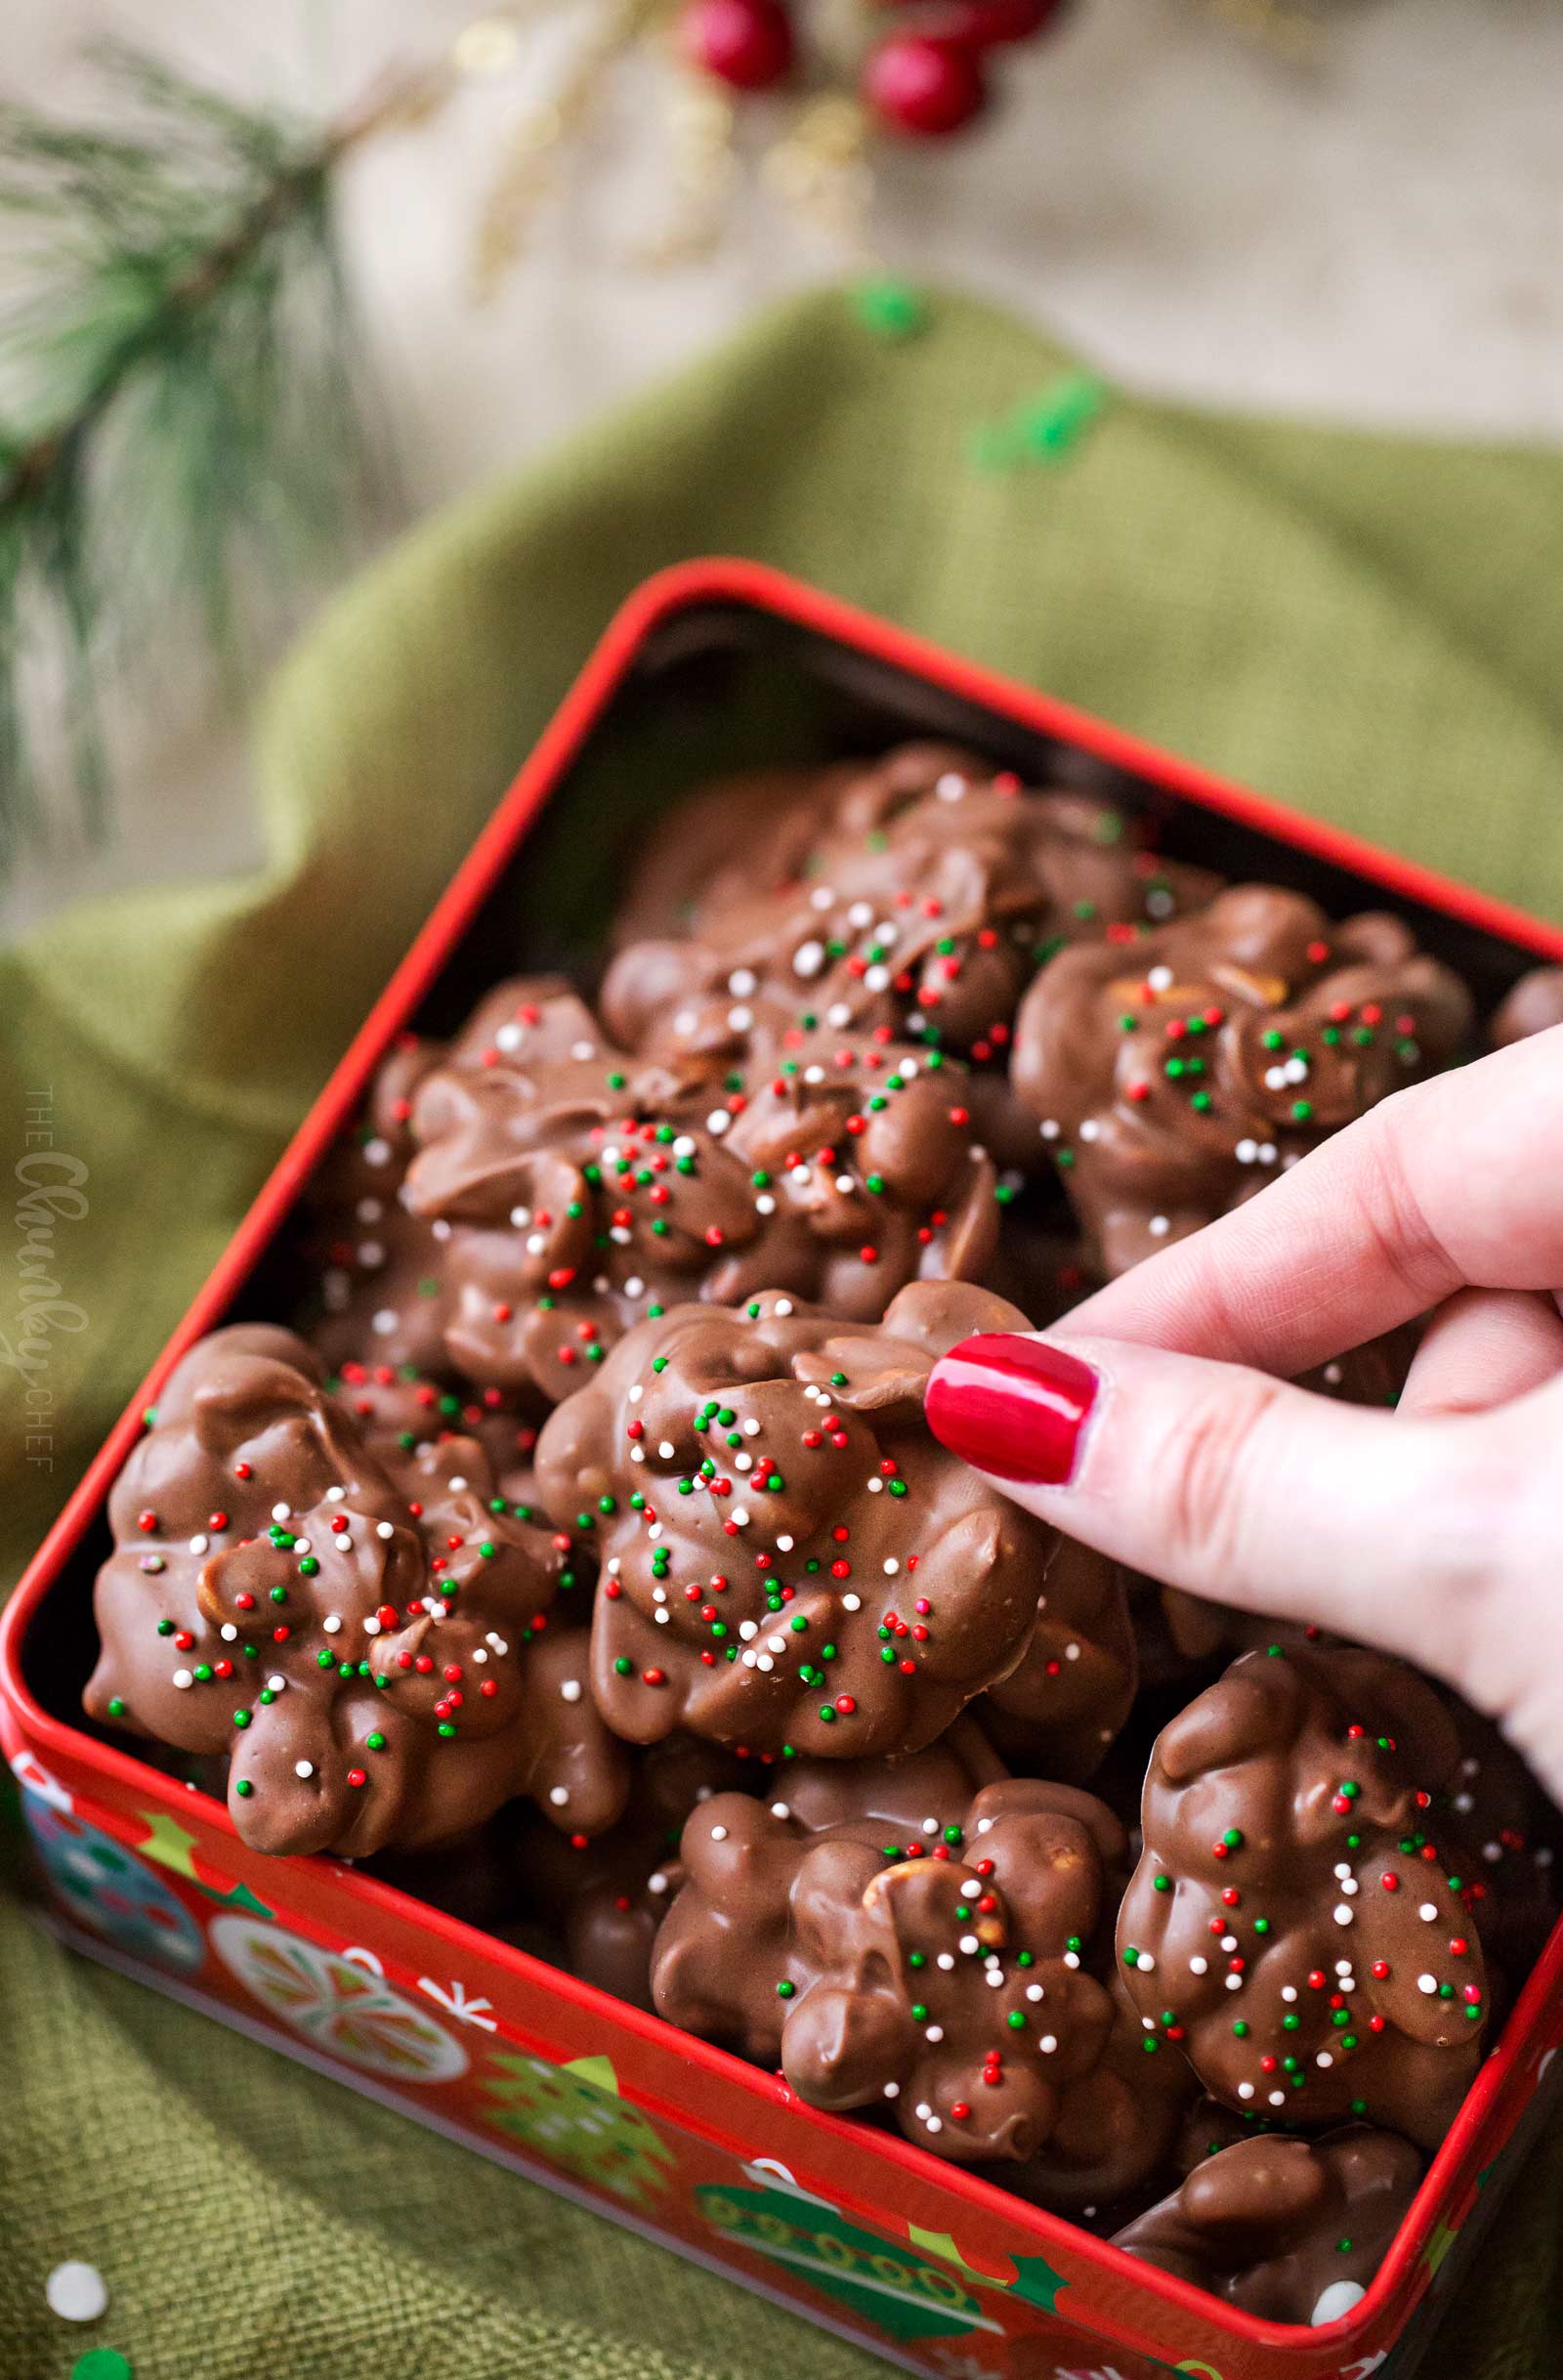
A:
{"points": [[923, 86], [747, 43]]}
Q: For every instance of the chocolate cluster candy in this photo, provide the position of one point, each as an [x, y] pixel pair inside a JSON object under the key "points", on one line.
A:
{"points": [[1293, 1923], [946, 1978], [922, 912], [371, 1652], [580, 1192], [756, 834], [1291, 2231], [379, 1291], [791, 1561], [603, 1898], [1172, 1079]]}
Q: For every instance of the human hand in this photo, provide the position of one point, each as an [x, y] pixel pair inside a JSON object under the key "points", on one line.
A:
{"points": [[1156, 1422]]}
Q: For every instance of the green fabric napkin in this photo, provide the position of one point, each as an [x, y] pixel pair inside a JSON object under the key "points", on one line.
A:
{"points": [[1369, 628]]}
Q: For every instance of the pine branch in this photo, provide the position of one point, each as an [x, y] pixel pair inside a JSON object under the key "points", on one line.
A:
{"points": [[184, 427]]}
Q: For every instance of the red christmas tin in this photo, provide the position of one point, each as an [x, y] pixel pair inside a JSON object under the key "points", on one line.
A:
{"points": [[715, 664]]}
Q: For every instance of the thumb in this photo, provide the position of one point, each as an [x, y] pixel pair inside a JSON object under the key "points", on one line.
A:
{"points": [[1414, 1534]]}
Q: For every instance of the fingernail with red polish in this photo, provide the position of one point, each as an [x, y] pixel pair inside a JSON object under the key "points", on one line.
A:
{"points": [[1012, 1406]]}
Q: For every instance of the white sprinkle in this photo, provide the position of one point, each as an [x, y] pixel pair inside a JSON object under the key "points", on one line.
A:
{"points": [[1160, 979], [739, 1019], [1145, 1962], [1245, 2089], [782, 1307], [1428, 1913], [1337, 2298], [75, 2291], [332, 1625], [667, 1450], [275, 1686], [1278, 2099], [945, 1959], [785, 1544], [934, 2033], [808, 958], [1198, 1966], [741, 982], [385, 1321], [385, 1528], [1343, 1914], [1288, 1991], [304, 1769], [637, 1392], [950, 786], [583, 1050], [1035, 1992], [1324, 2058], [968, 1941], [852, 1602], [199, 1544], [280, 1511], [1234, 1982], [229, 1632], [559, 1795], [892, 1566], [184, 1678], [1427, 1983], [892, 2090], [1048, 2044], [719, 1834], [377, 1152], [571, 1691]]}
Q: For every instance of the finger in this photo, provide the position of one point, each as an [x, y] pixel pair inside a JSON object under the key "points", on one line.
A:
{"points": [[1484, 1347], [1448, 1184], [1231, 1484]]}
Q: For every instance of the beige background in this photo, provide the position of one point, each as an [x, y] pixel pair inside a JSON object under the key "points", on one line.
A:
{"points": [[1375, 240]]}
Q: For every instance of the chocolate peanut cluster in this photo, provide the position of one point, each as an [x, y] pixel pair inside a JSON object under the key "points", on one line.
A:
{"points": [[791, 1561], [1294, 1925], [371, 1653], [587, 1561], [948, 1975], [1172, 1079], [1292, 2230]]}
